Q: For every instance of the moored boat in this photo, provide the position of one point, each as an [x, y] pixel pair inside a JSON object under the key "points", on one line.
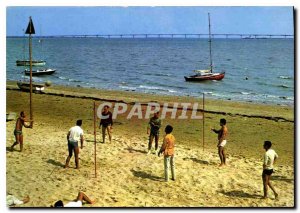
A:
{"points": [[206, 75], [25, 86], [27, 63], [39, 72]]}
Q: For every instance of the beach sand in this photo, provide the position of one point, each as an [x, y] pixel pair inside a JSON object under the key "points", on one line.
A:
{"points": [[126, 176]]}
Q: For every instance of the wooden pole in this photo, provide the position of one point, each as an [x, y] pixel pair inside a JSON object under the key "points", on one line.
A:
{"points": [[30, 63], [209, 40], [95, 153], [203, 119]]}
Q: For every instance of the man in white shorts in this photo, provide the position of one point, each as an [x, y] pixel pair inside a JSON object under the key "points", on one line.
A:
{"points": [[222, 134]]}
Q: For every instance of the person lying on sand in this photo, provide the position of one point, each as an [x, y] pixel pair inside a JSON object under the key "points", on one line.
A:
{"points": [[76, 203], [269, 160], [74, 135], [168, 149], [18, 130], [12, 200], [222, 134]]}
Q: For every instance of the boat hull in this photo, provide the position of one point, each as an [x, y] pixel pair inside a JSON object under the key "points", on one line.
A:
{"points": [[40, 72], [27, 63], [211, 77], [25, 86]]}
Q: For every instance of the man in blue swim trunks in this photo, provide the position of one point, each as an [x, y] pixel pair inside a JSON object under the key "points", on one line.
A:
{"points": [[18, 131]]}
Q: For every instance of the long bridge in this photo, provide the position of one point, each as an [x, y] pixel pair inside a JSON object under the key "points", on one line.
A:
{"points": [[172, 35]]}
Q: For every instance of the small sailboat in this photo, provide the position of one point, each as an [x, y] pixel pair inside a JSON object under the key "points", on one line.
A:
{"points": [[24, 85], [206, 75], [26, 62], [39, 72]]}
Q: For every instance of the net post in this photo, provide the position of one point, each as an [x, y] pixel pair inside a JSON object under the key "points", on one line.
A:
{"points": [[203, 119], [95, 153]]}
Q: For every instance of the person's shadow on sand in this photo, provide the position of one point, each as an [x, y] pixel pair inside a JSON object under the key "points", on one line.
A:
{"points": [[199, 161], [282, 178], [239, 193], [55, 163], [131, 150], [142, 174]]}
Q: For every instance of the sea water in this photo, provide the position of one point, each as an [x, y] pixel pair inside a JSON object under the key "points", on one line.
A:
{"points": [[257, 70]]}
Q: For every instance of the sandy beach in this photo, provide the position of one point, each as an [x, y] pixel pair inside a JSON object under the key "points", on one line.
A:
{"points": [[126, 176]]}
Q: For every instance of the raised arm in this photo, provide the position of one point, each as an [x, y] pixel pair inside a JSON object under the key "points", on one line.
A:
{"points": [[216, 131]]}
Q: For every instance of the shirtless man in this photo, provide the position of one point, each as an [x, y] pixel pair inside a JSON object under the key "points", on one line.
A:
{"points": [[106, 123], [222, 134], [18, 130]]}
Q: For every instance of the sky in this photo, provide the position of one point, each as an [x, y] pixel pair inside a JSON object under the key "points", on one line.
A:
{"points": [[92, 20]]}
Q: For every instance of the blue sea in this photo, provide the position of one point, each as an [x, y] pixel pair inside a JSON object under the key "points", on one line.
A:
{"points": [[158, 65]]}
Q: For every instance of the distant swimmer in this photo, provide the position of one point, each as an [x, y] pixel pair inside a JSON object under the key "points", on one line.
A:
{"points": [[153, 131], [76, 203], [222, 134], [269, 160], [18, 130], [106, 123], [74, 135]]}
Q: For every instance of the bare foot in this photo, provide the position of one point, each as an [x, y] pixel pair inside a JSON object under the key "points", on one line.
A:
{"points": [[93, 201], [66, 166], [276, 196], [221, 165], [77, 167], [264, 197], [26, 199]]}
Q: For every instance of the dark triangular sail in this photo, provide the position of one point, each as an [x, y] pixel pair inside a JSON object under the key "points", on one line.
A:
{"points": [[30, 27]]}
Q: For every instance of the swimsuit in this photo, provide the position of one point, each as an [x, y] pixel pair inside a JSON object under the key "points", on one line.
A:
{"points": [[18, 132], [71, 146], [223, 143], [268, 171]]}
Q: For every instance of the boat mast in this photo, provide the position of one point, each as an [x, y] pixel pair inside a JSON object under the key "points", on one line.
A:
{"points": [[209, 40], [30, 30]]}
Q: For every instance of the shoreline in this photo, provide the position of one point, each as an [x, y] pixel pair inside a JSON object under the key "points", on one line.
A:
{"points": [[259, 110], [245, 101]]}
